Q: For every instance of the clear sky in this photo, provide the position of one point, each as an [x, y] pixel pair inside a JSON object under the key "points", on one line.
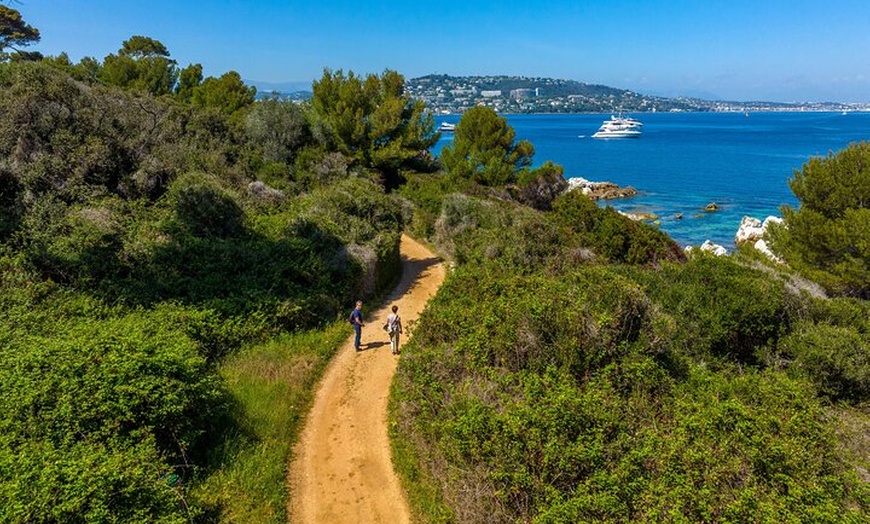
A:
{"points": [[773, 50]]}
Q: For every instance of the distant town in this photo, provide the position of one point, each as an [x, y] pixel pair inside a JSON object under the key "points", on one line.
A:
{"points": [[514, 94], [445, 94]]}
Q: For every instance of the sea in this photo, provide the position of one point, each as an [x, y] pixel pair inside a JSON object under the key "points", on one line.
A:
{"points": [[742, 162]]}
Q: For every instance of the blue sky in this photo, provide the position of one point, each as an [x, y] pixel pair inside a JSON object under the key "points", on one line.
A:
{"points": [[776, 50]]}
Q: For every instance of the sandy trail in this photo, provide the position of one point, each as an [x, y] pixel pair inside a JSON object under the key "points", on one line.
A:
{"points": [[342, 469]]}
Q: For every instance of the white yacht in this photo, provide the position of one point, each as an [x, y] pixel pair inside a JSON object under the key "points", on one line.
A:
{"points": [[447, 127], [619, 127]]}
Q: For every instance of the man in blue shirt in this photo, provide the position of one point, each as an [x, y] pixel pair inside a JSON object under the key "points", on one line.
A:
{"points": [[356, 319]]}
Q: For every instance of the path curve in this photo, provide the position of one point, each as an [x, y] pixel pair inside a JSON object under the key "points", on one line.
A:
{"points": [[342, 469]]}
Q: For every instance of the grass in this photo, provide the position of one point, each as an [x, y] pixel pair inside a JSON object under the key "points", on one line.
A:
{"points": [[271, 386]]}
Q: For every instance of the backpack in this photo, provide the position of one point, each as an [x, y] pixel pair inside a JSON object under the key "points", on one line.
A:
{"points": [[350, 318]]}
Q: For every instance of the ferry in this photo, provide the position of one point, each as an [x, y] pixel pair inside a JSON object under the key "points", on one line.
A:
{"points": [[447, 127]]}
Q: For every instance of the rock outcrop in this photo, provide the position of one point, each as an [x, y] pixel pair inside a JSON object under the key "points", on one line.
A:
{"points": [[600, 190], [716, 249], [264, 193], [752, 232], [709, 247]]}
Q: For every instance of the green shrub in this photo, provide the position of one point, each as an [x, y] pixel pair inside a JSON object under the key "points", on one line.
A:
{"points": [[359, 214], [836, 358], [77, 482], [427, 192], [742, 448], [611, 235], [204, 208], [720, 309], [580, 321], [626, 394], [102, 414]]}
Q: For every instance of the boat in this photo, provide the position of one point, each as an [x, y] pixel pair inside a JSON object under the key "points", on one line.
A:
{"points": [[619, 127], [447, 127]]}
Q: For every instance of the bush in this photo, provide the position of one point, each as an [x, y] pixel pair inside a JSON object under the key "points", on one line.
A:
{"points": [[730, 448], [427, 192], [559, 399], [204, 208], [74, 244], [836, 358], [359, 214], [721, 309], [628, 394], [611, 235], [103, 416], [78, 482]]}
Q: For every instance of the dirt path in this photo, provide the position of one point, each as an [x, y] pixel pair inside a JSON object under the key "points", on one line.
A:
{"points": [[342, 470]]}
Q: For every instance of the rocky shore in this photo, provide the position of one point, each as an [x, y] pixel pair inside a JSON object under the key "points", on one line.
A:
{"points": [[752, 232], [600, 190]]}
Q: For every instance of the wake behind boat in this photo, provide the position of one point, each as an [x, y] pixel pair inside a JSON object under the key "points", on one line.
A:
{"points": [[619, 127]]}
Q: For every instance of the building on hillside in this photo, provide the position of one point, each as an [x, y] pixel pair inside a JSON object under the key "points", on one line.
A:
{"points": [[522, 94], [490, 94]]}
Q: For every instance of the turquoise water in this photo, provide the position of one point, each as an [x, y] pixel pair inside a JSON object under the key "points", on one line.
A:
{"points": [[684, 161]]}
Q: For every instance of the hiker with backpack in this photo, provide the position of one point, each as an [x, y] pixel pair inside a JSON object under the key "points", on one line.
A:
{"points": [[356, 319], [394, 328]]}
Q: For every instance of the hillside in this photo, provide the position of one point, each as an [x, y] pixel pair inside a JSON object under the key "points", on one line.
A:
{"points": [[552, 380], [445, 94], [579, 367], [519, 94]]}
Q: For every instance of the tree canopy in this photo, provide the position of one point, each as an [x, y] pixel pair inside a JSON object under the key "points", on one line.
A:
{"points": [[373, 121], [227, 93], [142, 63], [14, 31], [484, 150], [828, 236]]}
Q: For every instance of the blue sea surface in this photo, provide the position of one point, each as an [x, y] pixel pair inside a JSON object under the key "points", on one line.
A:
{"points": [[684, 161]]}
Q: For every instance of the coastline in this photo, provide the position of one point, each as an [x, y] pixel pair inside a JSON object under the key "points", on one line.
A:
{"points": [[684, 161]]}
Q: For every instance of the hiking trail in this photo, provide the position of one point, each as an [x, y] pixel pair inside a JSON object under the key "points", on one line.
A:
{"points": [[342, 469]]}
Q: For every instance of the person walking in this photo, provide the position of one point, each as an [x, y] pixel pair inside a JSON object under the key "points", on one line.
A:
{"points": [[394, 328], [356, 319]]}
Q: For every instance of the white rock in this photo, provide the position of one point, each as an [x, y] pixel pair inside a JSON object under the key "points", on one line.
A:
{"points": [[761, 245], [578, 183], [750, 230], [771, 220], [716, 249]]}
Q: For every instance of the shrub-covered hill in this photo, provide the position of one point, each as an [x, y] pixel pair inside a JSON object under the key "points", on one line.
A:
{"points": [[147, 234], [576, 368]]}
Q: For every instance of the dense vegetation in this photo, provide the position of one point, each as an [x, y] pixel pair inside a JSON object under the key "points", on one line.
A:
{"points": [[575, 367], [161, 234], [176, 260]]}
